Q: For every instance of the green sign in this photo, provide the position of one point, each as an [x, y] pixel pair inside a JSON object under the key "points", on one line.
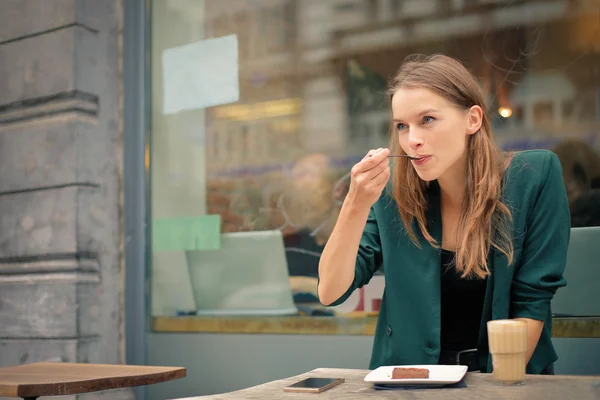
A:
{"points": [[187, 233]]}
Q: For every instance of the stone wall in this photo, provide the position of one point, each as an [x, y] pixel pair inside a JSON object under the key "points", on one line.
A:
{"points": [[61, 264]]}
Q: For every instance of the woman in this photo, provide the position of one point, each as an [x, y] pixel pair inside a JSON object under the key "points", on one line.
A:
{"points": [[466, 233]]}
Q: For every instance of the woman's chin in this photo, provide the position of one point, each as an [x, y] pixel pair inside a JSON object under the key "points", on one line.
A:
{"points": [[427, 176]]}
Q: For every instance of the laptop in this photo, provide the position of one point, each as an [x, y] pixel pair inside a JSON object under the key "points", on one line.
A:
{"points": [[248, 275]]}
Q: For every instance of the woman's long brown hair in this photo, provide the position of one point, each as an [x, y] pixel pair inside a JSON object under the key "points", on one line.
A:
{"points": [[484, 221]]}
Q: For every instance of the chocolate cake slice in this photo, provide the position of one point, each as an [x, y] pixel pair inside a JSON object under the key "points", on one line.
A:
{"points": [[410, 373]]}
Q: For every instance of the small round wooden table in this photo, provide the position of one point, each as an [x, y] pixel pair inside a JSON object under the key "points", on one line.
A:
{"points": [[31, 381]]}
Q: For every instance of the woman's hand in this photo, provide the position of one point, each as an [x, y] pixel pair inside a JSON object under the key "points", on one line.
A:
{"points": [[369, 177]]}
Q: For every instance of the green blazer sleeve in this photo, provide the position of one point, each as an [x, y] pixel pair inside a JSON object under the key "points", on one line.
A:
{"points": [[369, 257], [544, 250]]}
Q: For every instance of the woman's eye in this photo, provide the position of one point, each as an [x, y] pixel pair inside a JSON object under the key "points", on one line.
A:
{"points": [[428, 120], [400, 126]]}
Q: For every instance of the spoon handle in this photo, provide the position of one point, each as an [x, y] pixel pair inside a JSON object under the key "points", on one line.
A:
{"points": [[400, 155]]}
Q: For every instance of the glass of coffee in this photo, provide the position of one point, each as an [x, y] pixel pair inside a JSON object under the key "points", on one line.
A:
{"points": [[508, 347]]}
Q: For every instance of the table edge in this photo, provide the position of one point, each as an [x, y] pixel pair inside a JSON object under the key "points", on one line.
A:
{"points": [[94, 384]]}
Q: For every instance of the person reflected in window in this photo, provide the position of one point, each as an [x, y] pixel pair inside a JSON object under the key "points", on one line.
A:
{"points": [[466, 233], [581, 174], [309, 212]]}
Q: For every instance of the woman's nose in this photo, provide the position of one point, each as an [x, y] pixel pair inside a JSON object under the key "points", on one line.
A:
{"points": [[415, 141]]}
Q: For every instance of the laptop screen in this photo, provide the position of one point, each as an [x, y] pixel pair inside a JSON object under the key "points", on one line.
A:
{"points": [[248, 275]]}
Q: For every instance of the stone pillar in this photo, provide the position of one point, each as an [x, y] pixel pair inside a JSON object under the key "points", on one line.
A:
{"points": [[61, 264]]}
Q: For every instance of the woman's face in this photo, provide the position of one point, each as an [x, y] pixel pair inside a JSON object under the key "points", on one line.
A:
{"points": [[435, 130]]}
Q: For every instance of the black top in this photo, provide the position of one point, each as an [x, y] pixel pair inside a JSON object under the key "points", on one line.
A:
{"points": [[461, 307]]}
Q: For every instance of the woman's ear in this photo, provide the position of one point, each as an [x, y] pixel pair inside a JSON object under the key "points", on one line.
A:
{"points": [[475, 119]]}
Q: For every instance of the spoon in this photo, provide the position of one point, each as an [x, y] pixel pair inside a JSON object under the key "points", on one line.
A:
{"points": [[405, 155], [401, 155]]}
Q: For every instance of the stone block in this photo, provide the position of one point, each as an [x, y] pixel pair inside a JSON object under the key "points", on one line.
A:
{"points": [[38, 223], [21, 18], [55, 305], [26, 351], [41, 156], [38, 66], [38, 310]]}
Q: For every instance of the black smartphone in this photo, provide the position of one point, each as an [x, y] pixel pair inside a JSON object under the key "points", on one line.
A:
{"points": [[313, 385]]}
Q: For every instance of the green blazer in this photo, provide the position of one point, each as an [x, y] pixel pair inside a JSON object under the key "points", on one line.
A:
{"points": [[408, 326]]}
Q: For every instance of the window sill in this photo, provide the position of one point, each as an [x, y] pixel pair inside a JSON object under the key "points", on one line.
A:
{"points": [[563, 327]]}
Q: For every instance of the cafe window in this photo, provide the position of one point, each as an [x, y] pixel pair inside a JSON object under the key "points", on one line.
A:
{"points": [[260, 109]]}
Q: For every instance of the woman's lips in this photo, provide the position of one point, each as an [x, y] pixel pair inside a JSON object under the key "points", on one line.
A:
{"points": [[421, 160]]}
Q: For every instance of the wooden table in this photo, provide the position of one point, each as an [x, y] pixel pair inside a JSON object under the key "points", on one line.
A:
{"points": [[31, 381], [479, 386]]}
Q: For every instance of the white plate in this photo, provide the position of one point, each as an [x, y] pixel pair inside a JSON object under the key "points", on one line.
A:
{"points": [[438, 375]]}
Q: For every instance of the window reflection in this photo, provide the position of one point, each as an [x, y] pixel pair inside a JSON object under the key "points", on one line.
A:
{"points": [[312, 81], [581, 171]]}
